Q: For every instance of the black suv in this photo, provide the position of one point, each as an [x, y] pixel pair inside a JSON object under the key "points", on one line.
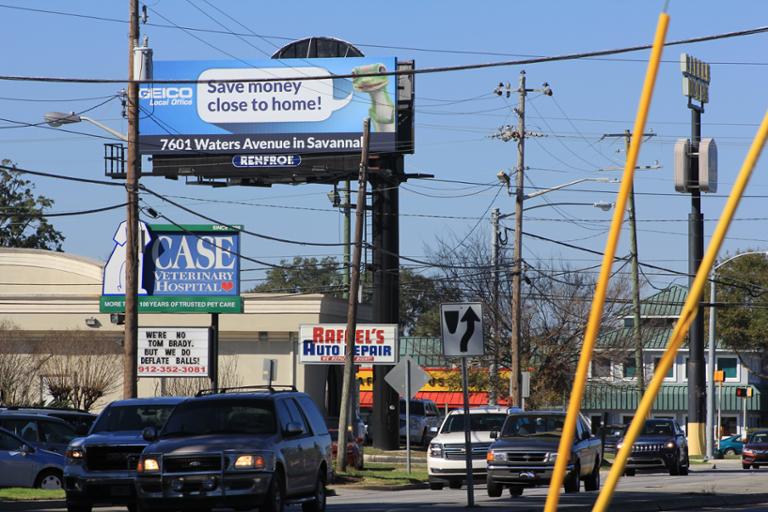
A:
{"points": [[253, 446], [660, 445]]}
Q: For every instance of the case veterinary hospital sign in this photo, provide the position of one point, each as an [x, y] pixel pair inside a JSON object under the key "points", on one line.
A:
{"points": [[325, 344], [266, 107], [182, 269]]}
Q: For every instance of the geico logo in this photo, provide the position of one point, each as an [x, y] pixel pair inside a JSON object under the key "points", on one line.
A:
{"points": [[161, 93]]}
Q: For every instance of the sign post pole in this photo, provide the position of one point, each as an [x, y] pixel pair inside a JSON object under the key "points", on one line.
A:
{"points": [[408, 416], [719, 407], [467, 438]]}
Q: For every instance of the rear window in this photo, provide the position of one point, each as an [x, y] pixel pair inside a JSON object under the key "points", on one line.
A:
{"points": [[132, 418]]}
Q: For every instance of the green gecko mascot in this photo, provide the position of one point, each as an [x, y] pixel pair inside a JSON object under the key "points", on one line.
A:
{"points": [[382, 110]]}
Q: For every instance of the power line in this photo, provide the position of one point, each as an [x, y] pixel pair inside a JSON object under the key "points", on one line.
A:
{"points": [[438, 69]]}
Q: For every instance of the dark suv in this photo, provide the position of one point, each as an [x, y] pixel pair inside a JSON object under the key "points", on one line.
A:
{"points": [[247, 447], [660, 445], [101, 468]]}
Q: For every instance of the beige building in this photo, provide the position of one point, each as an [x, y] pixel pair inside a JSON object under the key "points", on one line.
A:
{"points": [[49, 302]]}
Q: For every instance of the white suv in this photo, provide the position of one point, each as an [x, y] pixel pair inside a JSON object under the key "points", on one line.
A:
{"points": [[446, 459]]}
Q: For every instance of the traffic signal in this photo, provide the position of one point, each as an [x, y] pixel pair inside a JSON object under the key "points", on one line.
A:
{"points": [[744, 392]]}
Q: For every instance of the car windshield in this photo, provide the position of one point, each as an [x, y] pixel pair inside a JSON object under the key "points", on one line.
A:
{"points": [[202, 417], [132, 417], [657, 428], [533, 425], [759, 437], [479, 422]]}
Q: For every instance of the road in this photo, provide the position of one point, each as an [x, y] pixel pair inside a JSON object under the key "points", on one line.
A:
{"points": [[708, 489]]}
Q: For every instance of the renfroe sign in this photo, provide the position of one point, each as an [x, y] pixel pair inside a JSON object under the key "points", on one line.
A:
{"points": [[461, 328]]}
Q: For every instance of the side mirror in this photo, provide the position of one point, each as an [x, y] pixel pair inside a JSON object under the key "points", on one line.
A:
{"points": [[433, 430], [494, 434], [293, 428], [25, 449], [150, 434]]}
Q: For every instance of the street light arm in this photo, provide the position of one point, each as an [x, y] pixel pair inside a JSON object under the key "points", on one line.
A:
{"points": [[106, 128], [564, 185]]}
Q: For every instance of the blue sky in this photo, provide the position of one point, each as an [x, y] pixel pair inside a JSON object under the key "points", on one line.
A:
{"points": [[456, 115]]}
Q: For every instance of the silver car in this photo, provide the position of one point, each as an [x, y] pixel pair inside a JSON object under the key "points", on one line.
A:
{"points": [[23, 465], [424, 416]]}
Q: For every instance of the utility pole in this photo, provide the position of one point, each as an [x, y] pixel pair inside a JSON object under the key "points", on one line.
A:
{"points": [[346, 391], [494, 366], [132, 226], [517, 262], [636, 329]]}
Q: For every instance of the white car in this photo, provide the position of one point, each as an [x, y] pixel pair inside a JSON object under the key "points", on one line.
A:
{"points": [[446, 457]]}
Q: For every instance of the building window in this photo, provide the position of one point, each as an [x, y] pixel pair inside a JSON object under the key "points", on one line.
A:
{"points": [[670, 374], [601, 368], [729, 366], [729, 426], [630, 369]]}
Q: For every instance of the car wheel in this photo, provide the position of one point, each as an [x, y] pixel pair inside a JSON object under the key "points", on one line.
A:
{"points": [[572, 483], [424, 438], [318, 503], [78, 507], [745, 466], [454, 484], [275, 500], [436, 486], [674, 466], [592, 482], [49, 479], [755, 466], [494, 489], [629, 472], [729, 451], [516, 490]]}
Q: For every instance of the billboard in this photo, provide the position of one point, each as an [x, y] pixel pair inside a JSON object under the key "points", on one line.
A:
{"points": [[182, 269], [173, 351], [326, 344], [287, 107]]}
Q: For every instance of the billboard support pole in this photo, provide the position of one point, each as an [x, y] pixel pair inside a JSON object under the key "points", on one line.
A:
{"points": [[341, 452], [213, 365], [130, 356]]}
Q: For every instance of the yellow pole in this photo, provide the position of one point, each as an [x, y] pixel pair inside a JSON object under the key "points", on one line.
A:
{"points": [[598, 302], [686, 317]]}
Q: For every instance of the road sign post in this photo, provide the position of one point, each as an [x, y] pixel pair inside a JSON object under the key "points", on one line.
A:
{"points": [[464, 341], [404, 378]]}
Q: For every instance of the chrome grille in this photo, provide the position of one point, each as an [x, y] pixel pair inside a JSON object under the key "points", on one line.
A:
{"points": [[457, 452], [112, 458]]}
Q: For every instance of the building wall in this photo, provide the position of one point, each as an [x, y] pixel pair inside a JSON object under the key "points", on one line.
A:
{"points": [[44, 293]]}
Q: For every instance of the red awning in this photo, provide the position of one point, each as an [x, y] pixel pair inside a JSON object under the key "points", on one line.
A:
{"points": [[443, 399]]}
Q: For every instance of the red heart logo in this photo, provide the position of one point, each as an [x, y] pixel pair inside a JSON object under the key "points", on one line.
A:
{"points": [[227, 285]]}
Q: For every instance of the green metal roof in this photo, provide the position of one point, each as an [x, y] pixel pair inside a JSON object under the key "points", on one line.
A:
{"points": [[672, 397], [653, 337], [427, 351], [667, 303]]}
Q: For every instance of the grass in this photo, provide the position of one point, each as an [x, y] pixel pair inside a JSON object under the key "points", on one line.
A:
{"points": [[382, 474], [23, 493]]}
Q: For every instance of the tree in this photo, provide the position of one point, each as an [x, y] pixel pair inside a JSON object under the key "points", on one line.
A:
{"points": [[742, 304], [228, 378], [22, 221], [420, 299], [18, 369], [304, 275]]}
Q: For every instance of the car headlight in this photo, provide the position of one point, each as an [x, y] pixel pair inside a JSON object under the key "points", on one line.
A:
{"points": [[74, 454], [619, 445], [669, 445], [250, 462], [148, 465], [494, 456], [746, 451], [435, 450]]}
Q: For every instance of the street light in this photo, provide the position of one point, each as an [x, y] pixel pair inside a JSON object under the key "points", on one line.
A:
{"points": [[56, 119], [514, 374], [710, 438]]}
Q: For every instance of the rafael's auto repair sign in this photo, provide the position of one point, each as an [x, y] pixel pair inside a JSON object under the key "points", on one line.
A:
{"points": [[326, 344]]}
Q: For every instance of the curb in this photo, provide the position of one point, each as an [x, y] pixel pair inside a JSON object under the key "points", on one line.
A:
{"points": [[396, 459], [15, 505]]}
